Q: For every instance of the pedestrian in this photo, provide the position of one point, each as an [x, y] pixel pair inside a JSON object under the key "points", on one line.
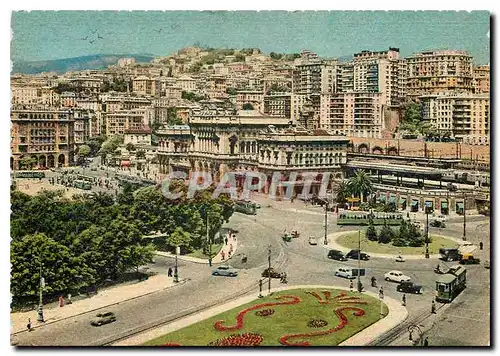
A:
{"points": [[169, 273], [351, 286], [404, 300], [222, 255], [481, 245], [234, 237], [230, 247], [433, 307], [61, 301], [29, 324], [229, 254], [69, 299], [226, 240], [426, 341]]}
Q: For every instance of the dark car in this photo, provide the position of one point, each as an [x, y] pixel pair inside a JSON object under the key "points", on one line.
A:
{"points": [[271, 272], [336, 255], [103, 318], [354, 254], [409, 287]]}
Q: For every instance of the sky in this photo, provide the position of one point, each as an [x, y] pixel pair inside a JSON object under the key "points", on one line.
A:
{"points": [[43, 35]]}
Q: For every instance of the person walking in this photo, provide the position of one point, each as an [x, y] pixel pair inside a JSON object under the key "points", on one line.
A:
{"points": [[351, 286], [69, 299], [169, 272], [222, 255], [426, 341], [404, 300], [226, 240], [29, 325], [433, 307], [481, 245]]}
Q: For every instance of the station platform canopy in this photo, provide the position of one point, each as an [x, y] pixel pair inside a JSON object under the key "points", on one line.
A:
{"points": [[398, 168]]}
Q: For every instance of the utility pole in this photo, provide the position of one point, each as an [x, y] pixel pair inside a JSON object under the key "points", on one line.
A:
{"points": [[427, 231], [269, 271], [465, 235], [209, 245], [176, 273]]}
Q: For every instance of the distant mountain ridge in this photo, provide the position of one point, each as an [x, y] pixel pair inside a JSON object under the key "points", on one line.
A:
{"points": [[60, 66]]}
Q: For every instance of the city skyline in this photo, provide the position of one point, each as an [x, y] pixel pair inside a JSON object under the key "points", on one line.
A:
{"points": [[48, 35]]}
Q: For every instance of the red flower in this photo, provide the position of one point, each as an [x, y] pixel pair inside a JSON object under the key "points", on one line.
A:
{"points": [[171, 344], [246, 339]]}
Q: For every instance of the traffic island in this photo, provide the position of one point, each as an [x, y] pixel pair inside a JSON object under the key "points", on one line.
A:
{"points": [[305, 316]]}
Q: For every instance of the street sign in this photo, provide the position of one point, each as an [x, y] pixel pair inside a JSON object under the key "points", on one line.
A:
{"points": [[177, 250]]}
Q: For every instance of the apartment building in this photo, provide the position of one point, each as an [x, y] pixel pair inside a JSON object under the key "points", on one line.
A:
{"points": [[465, 115], [84, 119], [116, 123], [253, 97], [481, 79], [47, 136], [144, 85], [217, 86], [34, 95], [186, 83], [278, 105], [358, 114], [439, 71], [91, 84]]}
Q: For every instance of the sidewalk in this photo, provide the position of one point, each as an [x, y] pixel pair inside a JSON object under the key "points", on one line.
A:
{"points": [[105, 298], [217, 258], [397, 314]]}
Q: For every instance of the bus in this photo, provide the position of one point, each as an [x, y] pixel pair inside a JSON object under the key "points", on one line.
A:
{"points": [[29, 174], [363, 218], [450, 284], [82, 184], [245, 207]]}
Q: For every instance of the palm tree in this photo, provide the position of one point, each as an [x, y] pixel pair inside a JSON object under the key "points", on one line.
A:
{"points": [[342, 192], [360, 184]]}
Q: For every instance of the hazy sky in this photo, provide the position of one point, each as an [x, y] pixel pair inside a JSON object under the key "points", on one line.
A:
{"points": [[40, 35]]}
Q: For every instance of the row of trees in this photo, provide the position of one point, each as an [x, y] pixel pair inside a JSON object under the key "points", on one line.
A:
{"points": [[88, 240], [407, 235]]}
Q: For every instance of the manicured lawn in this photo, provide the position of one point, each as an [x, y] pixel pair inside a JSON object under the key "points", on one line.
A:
{"points": [[287, 319], [199, 253], [351, 241]]}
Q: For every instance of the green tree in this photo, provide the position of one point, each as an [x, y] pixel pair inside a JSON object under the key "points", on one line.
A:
{"points": [[342, 192], [179, 237], [360, 184], [371, 232], [28, 162], [84, 150], [247, 106], [130, 147], [386, 234]]}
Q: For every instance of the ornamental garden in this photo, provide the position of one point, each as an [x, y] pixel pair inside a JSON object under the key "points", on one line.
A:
{"points": [[297, 317]]}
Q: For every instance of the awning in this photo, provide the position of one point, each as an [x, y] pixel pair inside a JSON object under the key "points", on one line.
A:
{"points": [[402, 200], [125, 163], [381, 198], [429, 204], [392, 199], [444, 205], [414, 203], [460, 205]]}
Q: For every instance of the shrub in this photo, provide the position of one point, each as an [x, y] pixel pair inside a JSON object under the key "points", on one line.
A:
{"points": [[371, 233], [386, 235]]}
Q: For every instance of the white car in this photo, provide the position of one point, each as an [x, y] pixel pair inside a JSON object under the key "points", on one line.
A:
{"points": [[396, 276], [313, 241], [441, 218], [344, 272]]}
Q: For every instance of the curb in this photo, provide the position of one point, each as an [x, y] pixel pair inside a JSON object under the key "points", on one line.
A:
{"points": [[182, 281]]}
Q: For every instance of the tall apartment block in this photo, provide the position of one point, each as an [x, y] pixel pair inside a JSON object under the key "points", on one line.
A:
{"points": [[439, 71], [278, 105], [481, 79], [46, 136], [466, 116]]}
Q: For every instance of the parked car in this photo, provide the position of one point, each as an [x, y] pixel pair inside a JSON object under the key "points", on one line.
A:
{"points": [[313, 241], [344, 272], [409, 287], [271, 272], [438, 224], [336, 255], [396, 276], [225, 270], [103, 318], [355, 254], [441, 218], [93, 169], [468, 258]]}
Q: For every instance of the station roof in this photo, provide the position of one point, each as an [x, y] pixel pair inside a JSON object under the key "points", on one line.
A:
{"points": [[400, 168]]}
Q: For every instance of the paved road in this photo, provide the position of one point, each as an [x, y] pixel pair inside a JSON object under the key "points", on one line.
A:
{"points": [[305, 264]]}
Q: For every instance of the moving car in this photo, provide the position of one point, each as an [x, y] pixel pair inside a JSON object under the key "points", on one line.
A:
{"points": [[344, 272], [449, 254], [468, 258], [271, 272], [313, 241], [336, 255], [225, 270], [103, 318], [355, 254], [441, 218], [409, 287], [396, 276]]}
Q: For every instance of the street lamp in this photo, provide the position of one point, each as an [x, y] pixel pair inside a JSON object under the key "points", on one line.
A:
{"points": [[427, 208], [465, 236], [269, 270], [326, 220], [209, 245], [359, 261], [40, 304], [176, 273]]}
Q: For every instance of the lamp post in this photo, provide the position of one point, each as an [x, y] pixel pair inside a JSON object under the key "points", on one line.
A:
{"points": [[176, 272], [326, 220], [209, 245], [40, 304], [359, 261], [269, 270], [427, 208], [465, 235]]}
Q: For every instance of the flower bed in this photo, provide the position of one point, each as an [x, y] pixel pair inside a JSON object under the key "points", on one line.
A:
{"points": [[246, 339], [317, 323], [265, 312]]}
